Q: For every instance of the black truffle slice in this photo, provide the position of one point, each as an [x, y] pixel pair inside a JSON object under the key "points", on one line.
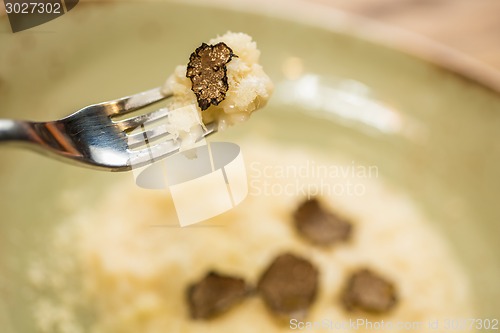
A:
{"points": [[319, 225], [208, 73], [289, 286], [367, 291], [215, 294]]}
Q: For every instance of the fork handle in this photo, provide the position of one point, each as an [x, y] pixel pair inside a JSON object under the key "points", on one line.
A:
{"points": [[15, 130]]}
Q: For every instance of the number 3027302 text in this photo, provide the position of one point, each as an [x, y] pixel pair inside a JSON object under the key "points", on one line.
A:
{"points": [[470, 324], [33, 8]]}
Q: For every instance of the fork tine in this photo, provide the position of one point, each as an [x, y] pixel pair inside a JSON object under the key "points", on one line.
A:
{"points": [[133, 123], [134, 102], [141, 138], [155, 152]]}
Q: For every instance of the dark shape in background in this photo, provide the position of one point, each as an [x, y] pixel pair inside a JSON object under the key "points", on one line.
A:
{"points": [[23, 16], [70, 4]]}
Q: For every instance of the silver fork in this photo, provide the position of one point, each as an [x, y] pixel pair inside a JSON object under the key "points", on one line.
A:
{"points": [[91, 137]]}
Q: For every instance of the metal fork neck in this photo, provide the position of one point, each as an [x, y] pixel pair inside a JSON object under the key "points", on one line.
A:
{"points": [[15, 131]]}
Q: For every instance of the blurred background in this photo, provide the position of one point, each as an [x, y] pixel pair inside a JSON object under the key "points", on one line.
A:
{"points": [[470, 26]]}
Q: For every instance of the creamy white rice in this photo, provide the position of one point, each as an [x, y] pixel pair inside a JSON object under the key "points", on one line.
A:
{"points": [[134, 262]]}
